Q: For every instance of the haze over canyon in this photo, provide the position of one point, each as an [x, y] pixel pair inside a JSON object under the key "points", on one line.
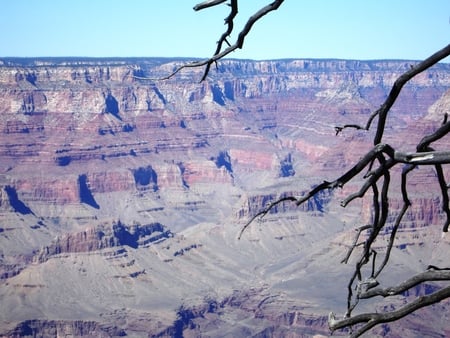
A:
{"points": [[121, 199]]}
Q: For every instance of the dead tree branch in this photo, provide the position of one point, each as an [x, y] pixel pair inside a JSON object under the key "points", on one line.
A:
{"points": [[264, 212], [206, 4], [221, 52], [426, 276], [369, 320], [424, 158], [379, 162], [395, 91]]}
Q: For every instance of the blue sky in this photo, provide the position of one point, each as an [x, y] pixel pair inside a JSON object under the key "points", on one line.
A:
{"points": [[346, 29]]}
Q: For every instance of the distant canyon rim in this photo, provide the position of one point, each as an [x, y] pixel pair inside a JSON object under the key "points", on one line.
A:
{"points": [[121, 198]]}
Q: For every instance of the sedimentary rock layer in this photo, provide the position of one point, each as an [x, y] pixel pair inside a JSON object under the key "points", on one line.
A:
{"points": [[122, 196]]}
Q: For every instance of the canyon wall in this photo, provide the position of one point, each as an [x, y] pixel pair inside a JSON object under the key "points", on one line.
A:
{"points": [[119, 191]]}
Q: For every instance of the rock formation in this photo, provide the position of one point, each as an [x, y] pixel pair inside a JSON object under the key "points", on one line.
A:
{"points": [[121, 198]]}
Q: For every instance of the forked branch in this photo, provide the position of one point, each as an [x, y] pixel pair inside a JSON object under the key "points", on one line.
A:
{"points": [[379, 162], [221, 51], [395, 91], [427, 158]]}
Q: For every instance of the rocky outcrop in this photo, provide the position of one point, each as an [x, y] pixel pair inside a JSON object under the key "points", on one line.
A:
{"points": [[205, 172], [255, 203], [252, 305], [105, 236], [49, 190]]}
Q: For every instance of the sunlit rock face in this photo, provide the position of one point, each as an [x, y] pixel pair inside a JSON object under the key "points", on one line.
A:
{"points": [[121, 198]]}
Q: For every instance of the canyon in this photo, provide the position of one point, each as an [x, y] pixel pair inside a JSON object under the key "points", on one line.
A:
{"points": [[122, 195]]}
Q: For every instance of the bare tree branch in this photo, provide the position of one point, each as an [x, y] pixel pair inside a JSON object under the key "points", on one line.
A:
{"points": [[206, 4], [406, 204], [378, 161], [372, 319], [221, 52], [424, 158], [426, 276], [395, 91], [355, 242], [265, 211]]}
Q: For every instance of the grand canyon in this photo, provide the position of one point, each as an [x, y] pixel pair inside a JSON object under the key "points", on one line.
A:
{"points": [[122, 196]]}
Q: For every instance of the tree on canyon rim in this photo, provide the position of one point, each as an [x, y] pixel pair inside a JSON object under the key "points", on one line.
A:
{"points": [[378, 164]]}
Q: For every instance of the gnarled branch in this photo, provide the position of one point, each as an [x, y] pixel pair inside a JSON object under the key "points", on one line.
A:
{"points": [[221, 52], [369, 320], [426, 276], [395, 91], [379, 161]]}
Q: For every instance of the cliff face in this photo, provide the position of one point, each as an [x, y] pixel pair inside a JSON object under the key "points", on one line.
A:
{"points": [[148, 183], [79, 118]]}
